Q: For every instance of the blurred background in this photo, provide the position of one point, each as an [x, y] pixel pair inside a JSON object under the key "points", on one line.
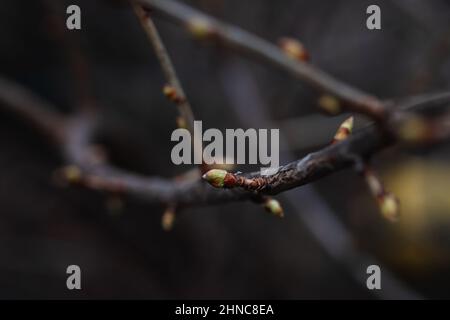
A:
{"points": [[332, 229]]}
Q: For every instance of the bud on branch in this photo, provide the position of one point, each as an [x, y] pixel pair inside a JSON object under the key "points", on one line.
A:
{"points": [[387, 202], [345, 129], [294, 49], [274, 207]]}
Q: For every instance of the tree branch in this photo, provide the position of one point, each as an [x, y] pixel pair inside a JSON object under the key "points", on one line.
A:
{"points": [[177, 95], [392, 120], [203, 26], [75, 134]]}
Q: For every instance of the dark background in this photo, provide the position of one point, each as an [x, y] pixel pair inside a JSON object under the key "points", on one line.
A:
{"points": [[234, 250]]}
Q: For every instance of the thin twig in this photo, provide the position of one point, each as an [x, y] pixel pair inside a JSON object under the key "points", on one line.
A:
{"points": [[170, 74], [173, 90], [207, 27], [70, 42], [391, 120]]}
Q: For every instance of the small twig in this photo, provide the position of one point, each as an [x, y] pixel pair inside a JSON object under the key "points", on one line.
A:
{"points": [[173, 89], [202, 26], [178, 96], [70, 42], [206, 27], [36, 111]]}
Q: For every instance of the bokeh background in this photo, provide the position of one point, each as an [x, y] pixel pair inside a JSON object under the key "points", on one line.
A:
{"points": [[332, 227]]}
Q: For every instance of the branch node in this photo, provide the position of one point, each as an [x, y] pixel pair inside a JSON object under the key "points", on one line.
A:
{"points": [[171, 93]]}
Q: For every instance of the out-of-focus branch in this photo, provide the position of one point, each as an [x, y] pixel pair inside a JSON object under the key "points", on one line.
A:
{"points": [[203, 26], [391, 119], [173, 89], [70, 43], [74, 136], [36, 111]]}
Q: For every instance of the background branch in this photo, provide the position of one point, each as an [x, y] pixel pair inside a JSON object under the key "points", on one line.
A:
{"points": [[206, 27]]}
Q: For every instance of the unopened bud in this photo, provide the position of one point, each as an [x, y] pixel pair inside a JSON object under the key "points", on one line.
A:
{"points": [[374, 183], [344, 130], [172, 94], [72, 173], [200, 28], [294, 49], [215, 177], [413, 130], [389, 206], [274, 207], [181, 123], [329, 104], [168, 219]]}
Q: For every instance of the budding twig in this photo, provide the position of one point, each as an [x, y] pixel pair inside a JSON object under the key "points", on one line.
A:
{"points": [[339, 95], [222, 179], [173, 89], [204, 26]]}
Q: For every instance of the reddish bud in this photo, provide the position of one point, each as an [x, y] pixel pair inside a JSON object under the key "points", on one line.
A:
{"points": [[345, 129], [294, 49]]}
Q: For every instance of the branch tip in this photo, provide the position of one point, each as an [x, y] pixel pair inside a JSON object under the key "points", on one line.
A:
{"points": [[389, 206], [387, 202]]}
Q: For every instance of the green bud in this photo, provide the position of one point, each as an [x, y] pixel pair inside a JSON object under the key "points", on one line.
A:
{"points": [[273, 206], [200, 28], [215, 177], [390, 207]]}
